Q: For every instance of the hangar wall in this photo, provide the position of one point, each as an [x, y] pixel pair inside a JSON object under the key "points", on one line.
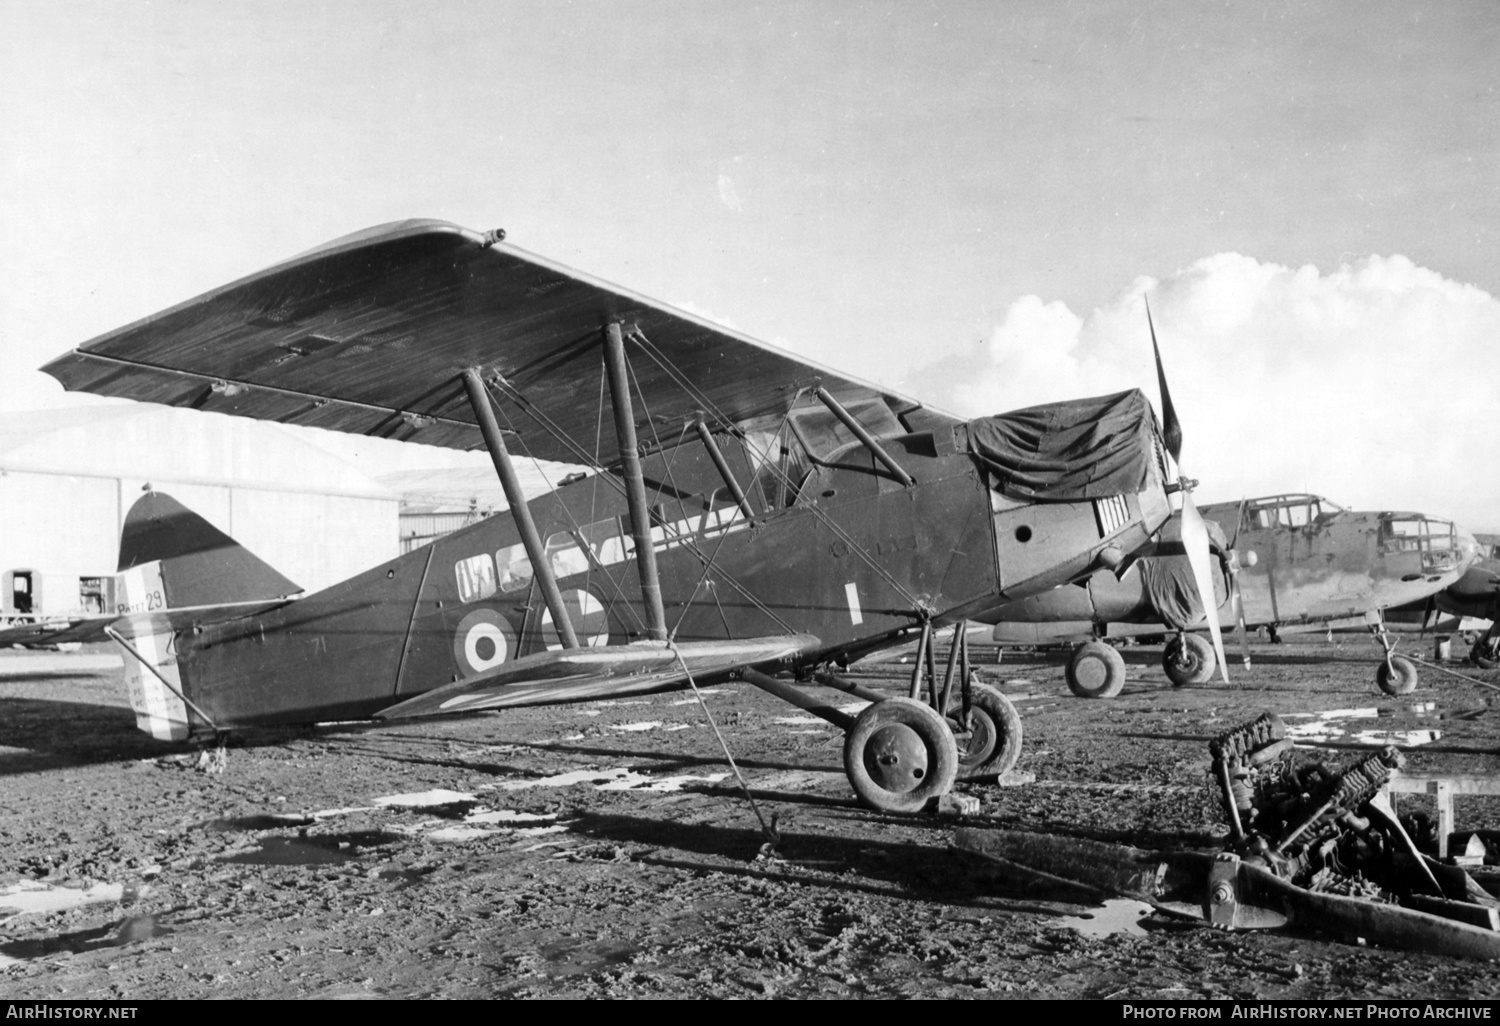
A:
{"points": [[68, 477]]}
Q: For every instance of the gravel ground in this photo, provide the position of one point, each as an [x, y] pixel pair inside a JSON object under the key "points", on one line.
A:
{"points": [[601, 850]]}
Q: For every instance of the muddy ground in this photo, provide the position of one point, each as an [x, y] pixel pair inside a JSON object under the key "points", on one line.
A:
{"points": [[601, 850]]}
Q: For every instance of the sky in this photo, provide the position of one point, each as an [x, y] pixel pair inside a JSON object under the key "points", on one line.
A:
{"points": [[968, 202]]}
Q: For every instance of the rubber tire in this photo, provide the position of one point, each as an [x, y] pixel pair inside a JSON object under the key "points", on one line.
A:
{"points": [[1096, 671], [995, 715], [1405, 680], [937, 737], [1189, 659]]}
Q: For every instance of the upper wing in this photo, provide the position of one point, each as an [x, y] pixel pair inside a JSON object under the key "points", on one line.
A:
{"points": [[370, 333], [580, 674]]}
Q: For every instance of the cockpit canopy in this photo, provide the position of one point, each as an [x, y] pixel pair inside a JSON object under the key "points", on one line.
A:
{"points": [[1294, 509]]}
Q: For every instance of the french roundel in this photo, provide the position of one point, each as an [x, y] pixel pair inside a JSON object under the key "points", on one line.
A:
{"points": [[482, 642], [590, 622]]}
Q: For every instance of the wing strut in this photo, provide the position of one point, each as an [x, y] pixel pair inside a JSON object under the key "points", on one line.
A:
{"points": [[484, 412], [635, 482], [864, 436], [707, 438]]}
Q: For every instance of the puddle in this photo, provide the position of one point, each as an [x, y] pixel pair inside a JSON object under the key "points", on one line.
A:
{"points": [[269, 822], [1117, 917], [798, 720], [479, 825], [35, 897], [424, 799], [641, 782], [617, 779], [509, 816], [634, 727], [1337, 725], [313, 851], [132, 930]]}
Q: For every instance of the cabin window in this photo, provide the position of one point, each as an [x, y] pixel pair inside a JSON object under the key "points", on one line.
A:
{"points": [[564, 555], [1417, 534], [1295, 516], [720, 513], [515, 568], [823, 434], [779, 465], [609, 543], [476, 577]]}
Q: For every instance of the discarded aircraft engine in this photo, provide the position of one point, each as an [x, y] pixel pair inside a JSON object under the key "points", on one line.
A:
{"points": [[1309, 845]]}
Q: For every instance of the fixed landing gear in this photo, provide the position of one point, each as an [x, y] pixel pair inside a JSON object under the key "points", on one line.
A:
{"points": [[1396, 675], [901, 754], [1188, 659]]}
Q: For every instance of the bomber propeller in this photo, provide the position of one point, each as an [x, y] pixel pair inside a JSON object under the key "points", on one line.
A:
{"points": [[1194, 531]]}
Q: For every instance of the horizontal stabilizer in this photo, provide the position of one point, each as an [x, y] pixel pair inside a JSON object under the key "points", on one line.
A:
{"points": [[581, 674], [137, 625]]}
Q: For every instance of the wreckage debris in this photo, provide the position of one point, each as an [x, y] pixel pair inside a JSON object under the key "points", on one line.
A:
{"points": [[1310, 844]]}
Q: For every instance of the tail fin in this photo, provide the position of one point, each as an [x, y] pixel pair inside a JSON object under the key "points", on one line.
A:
{"points": [[171, 558], [199, 565]]}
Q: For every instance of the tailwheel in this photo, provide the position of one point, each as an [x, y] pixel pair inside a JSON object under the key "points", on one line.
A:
{"points": [[1096, 671], [900, 755], [994, 744], [1188, 659], [1397, 676]]}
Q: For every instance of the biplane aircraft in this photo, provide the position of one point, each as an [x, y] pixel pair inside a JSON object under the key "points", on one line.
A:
{"points": [[1287, 562], [753, 514]]}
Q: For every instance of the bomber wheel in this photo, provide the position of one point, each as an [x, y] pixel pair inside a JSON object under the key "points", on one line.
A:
{"points": [[1402, 682], [1188, 659], [1096, 671], [994, 744], [900, 755]]}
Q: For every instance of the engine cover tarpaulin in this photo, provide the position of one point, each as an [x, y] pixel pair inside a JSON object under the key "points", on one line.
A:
{"points": [[1069, 451], [1168, 577]]}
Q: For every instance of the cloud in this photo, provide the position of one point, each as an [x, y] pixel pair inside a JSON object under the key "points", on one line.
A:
{"points": [[1375, 384]]}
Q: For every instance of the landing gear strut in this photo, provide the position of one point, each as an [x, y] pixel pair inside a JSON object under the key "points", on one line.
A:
{"points": [[1188, 659], [902, 753], [1396, 675]]}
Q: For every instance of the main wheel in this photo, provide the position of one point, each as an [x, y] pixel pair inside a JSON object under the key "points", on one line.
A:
{"points": [[900, 755], [994, 744], [1402, 682], [1188, 659], [1096, 671], [1483, 652]]}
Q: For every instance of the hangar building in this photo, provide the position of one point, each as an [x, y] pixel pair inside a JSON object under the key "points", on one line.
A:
{"points": [[69, 476]]}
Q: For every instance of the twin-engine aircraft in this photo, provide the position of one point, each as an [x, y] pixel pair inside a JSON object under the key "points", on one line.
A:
{"points": [[752, 513], [1288, 562]]}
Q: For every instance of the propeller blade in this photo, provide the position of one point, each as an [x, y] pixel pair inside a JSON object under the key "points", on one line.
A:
{"points": [[1171, 427], [1195, 541], [1427, 612]]}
